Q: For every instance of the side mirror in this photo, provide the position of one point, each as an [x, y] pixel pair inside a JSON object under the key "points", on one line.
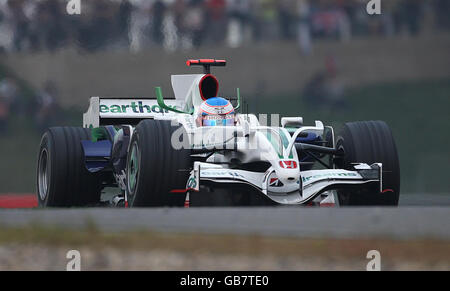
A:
{"points": [[160, 99], [292, 121]]}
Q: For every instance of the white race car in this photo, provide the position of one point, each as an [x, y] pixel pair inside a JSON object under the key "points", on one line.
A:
{"points": [[175, 152]]}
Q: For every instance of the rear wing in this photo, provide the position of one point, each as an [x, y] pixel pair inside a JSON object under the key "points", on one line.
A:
{"points": [[112, 111]]}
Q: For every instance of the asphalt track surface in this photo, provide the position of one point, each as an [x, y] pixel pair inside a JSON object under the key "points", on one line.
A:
{"points": [[369, 222], [418, 217]]}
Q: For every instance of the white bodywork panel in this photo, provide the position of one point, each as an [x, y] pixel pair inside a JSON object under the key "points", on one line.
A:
{"points": [[92, 116], [183, 84]]}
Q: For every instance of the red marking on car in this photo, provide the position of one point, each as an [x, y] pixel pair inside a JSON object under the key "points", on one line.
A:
{"points": [[288, 164], [178, 191], [182, 190], [18, 201], [273, 180], [186, 202], [387, 190], [205, 61], [208, 76], [327, 204], [190, 62]]}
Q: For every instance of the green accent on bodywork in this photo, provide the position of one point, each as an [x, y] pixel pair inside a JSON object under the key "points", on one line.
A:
{"points": [[160, 99], [275, 145], [192, 183], [99, 133], [285, 142], [279, 146], [238, 95], [291, 129], [284, 139]]}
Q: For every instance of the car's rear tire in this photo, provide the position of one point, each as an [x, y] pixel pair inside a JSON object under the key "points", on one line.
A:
{"points": [[370, 142], [156, 172], [62, 178]]}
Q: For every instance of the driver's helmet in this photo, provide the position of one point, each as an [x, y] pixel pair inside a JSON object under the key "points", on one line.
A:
{"points": [[216, 111]]}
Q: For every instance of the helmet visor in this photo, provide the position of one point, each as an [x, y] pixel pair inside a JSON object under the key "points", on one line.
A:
{"points": [[218, 120]]}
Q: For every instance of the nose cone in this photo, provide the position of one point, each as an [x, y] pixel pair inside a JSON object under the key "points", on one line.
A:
{"points": [[287, 176]]}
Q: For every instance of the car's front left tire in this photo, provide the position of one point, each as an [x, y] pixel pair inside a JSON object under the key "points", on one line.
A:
{"points": [[157, 171]]}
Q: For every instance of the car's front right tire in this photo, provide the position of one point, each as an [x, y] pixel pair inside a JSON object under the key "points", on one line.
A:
{"points": [[370, 142]]}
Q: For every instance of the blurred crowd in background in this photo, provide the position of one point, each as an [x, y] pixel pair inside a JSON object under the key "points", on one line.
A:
{"points": [[45, 25], [41, 107], [36, 25]]}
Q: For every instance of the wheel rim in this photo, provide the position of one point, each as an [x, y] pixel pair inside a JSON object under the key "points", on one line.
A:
{"points": [[133, 168], [43, 174]]}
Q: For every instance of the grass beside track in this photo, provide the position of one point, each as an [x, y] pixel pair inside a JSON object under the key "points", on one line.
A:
{"points": [[423, 253]]}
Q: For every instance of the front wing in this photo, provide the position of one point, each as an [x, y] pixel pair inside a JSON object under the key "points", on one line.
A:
{"points": [[311, 183]]}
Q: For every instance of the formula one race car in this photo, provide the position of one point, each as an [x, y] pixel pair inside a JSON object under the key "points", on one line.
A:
{"points": [[197, 150]]}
